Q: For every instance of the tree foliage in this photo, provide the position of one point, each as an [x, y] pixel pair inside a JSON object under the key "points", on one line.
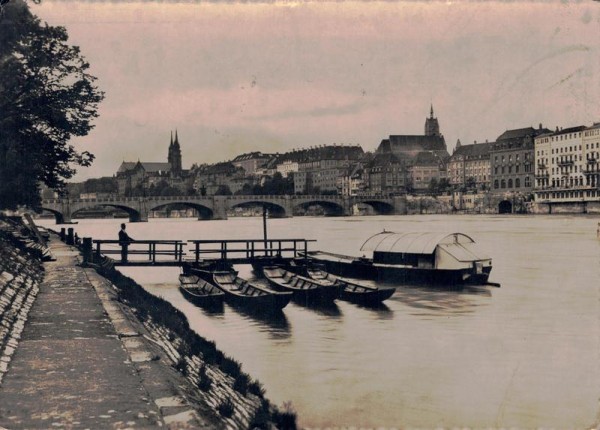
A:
{"points": [[46, 98]]}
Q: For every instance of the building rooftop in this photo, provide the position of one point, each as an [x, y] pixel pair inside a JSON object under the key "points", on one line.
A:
{"points": [[520, 133], [474, 149], [149, 167], [252, 156], [399, 143]]}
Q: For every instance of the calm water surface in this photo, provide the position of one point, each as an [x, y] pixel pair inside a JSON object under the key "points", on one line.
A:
{"points": [[524, 355]]}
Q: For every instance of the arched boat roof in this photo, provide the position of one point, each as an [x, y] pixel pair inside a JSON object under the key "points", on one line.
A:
{"points": [[412, 243]]}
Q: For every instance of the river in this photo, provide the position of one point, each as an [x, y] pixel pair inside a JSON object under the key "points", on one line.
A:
{"points": [[523, 355]]}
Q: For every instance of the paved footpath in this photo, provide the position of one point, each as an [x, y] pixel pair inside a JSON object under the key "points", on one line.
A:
{"points": [[82, 363]]}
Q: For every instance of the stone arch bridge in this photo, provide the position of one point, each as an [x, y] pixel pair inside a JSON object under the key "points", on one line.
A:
{"points": [[216, 207]]}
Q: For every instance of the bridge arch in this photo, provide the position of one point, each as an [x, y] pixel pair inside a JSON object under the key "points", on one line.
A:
{"points": [[380, 208], [134, 215], [275, 210], [204, 212], [58, 216], [331, 208]]}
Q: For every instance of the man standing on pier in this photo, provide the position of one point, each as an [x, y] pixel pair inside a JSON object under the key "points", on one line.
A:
{"points": [[124, 241]]}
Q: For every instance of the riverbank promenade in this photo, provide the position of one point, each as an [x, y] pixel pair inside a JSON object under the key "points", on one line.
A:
{"points": [[84, 362]]}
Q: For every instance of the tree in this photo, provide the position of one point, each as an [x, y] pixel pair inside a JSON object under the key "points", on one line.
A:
{"points": [[223, 190], [471, 183], [434, 187], [46, 98], [444, 185], [101, 185]]}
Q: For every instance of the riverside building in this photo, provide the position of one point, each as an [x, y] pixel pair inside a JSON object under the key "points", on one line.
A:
{"points": [[470, 161], [512, 160], [567, 167]]}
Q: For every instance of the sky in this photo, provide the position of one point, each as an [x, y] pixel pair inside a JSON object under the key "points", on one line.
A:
{"points": [[237, 77]]}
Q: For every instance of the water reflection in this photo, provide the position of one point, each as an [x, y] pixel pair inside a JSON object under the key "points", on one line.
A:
{"points": [[324, 309], [274, 323], [380, 311], [440, 301]]}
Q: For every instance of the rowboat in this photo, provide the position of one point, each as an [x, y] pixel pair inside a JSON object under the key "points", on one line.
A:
{"points": [[305, 290], [352, 291], [200, 292], [240, 292]]}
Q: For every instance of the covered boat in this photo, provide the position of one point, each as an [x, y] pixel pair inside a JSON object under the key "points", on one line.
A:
{"points": [[413, 258]]}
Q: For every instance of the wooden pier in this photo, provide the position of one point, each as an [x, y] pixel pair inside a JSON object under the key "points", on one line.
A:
{"points": [[173, 252]]}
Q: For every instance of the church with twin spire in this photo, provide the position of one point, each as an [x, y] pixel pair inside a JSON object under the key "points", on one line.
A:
{"points": [[144, 174]]}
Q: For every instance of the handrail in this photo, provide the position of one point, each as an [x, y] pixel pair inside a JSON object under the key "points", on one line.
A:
{"points": [[253, 248], [176, 251]]}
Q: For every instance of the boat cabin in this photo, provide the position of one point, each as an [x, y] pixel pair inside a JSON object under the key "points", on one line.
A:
{"points": [[445, 251]]}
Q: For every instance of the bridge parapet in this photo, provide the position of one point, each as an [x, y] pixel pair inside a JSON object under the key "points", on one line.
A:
{"points": [[216, 207]]}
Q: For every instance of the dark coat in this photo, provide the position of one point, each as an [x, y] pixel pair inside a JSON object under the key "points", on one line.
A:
{"points": [[124, 238]]}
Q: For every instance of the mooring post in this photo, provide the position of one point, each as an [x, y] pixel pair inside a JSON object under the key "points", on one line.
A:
{"points": [[70, 237], [265, 228], [63, 234], [87, 250]]}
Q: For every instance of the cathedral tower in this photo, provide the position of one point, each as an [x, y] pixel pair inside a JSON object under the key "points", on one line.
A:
{"points": [[174, 157], [432, 127]]}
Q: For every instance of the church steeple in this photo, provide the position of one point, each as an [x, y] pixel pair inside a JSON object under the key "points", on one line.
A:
{"points": [[432, 127], [457, 146], [174, 158]]}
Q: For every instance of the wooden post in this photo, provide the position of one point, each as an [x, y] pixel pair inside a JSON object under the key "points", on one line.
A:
{"points": [[87, 250], [63, 234], [265, 227], [70, 237]]}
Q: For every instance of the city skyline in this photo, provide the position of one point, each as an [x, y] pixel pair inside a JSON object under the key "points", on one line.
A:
{"points": [[234, 78]]}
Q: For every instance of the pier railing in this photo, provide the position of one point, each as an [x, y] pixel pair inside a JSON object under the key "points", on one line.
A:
{"points": [[248, 249], [148, 248]]}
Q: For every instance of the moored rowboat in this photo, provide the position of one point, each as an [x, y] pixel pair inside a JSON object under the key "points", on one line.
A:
{"points": [[353, 291], [305, 290], [240, 292], [200, 292]]}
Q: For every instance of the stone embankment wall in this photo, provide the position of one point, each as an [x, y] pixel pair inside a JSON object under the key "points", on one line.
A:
{"points": [[221, 383], [21, 272], [568, 208]]}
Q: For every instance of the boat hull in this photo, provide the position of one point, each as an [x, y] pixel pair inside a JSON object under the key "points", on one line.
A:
{"points": [[316, 294], [263, 304], [266, 301], [208, 300], [404, 275], [367, 298]]}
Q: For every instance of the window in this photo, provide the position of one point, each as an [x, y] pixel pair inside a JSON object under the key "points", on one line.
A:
{"points": [[510, 183], [517, 183], [496, 183], [503, 184], [527, 182]]}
